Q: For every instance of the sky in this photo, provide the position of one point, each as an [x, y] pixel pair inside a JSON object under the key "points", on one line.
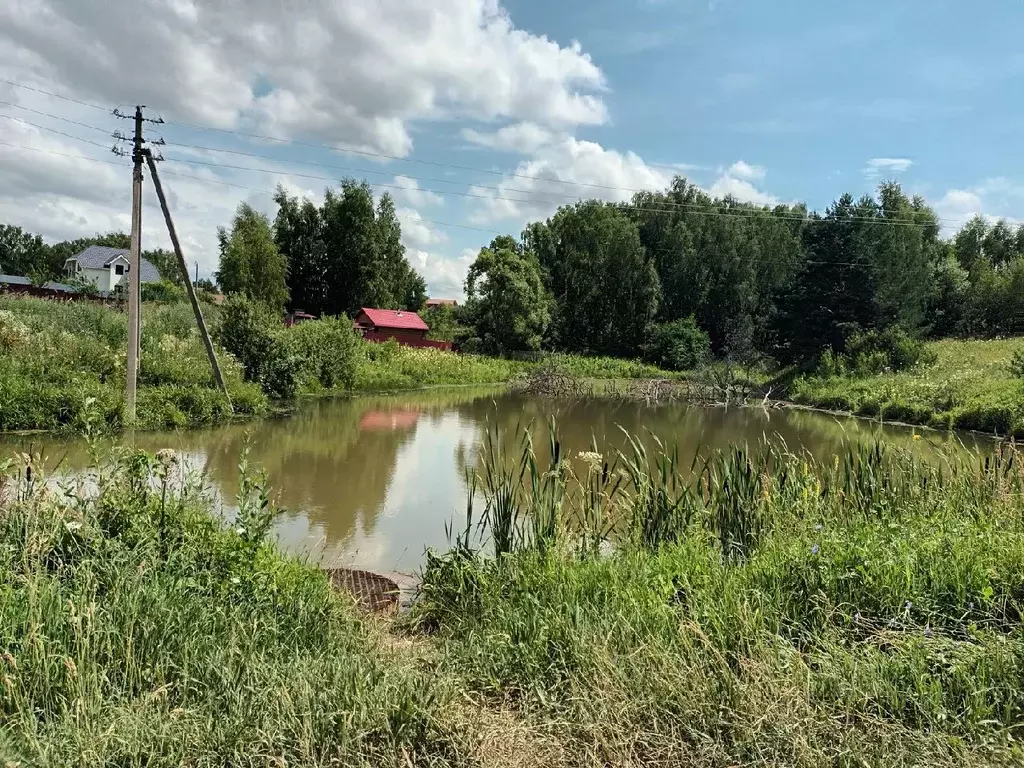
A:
{"points": [[479, 116]]}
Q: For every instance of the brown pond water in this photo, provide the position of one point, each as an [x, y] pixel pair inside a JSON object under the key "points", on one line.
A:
{"points": [[371, 482]]}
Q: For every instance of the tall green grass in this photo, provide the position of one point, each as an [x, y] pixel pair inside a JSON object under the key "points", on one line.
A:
{"points": [[754, 607], [390, 366], [135, 630], [969, 386], [57, 357]]}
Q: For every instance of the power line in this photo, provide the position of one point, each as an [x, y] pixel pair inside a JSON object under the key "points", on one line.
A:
{"points": [[476, 229], [54, 95], [663, 205], [421, 220], [54, 130], [64, 154], [366, 153], [54, 117], [697, 210]]}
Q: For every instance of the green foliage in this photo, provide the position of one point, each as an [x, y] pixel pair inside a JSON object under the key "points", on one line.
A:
{"points": [[970, 386], [327, 350], [184, 642], [446, 323], [605, 288], [164, 290], [253, 334], [892, 349], [346, 254], [505, 298], [869, 602], [678, 346], [250, 263], [57, 357], [390, 366], [1016, 366]]}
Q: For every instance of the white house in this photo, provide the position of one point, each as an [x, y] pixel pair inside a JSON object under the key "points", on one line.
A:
{"points": [[106, 268]]}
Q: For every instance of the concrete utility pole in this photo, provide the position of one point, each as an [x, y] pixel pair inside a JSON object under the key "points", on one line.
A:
{"points": [[134, 282], [182, 264]]}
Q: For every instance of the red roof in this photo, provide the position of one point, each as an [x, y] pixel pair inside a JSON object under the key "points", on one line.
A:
{"points": [[394, 318]]}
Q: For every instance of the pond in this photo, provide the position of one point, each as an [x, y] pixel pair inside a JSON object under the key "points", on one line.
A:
{"points": [[371, 482]]}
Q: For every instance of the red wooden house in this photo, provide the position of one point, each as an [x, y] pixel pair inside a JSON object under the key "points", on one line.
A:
{"points": [[404, 327]]}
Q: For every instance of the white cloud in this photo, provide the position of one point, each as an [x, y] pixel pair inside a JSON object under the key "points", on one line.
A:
{"points": [[418, 234], [989, 199], [445, 275], [354, 74], [411, 193], [746, 171], [524, 138], [876, 166], [742, 190], [540, 186]]}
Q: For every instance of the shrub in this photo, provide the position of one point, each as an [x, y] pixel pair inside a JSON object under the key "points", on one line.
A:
{"points": [[164, 290], [327, 351], [247, 331], [677, 346], [893, 349], [1017, 363]]}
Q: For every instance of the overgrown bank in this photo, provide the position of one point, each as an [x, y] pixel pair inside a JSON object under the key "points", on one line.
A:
{"points": [[956, 385], [137, 631], [777, 611], [55, 358]]}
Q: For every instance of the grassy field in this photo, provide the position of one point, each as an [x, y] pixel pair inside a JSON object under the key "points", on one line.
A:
{"points": [[390, 366], [970, 386], [778, 611]]}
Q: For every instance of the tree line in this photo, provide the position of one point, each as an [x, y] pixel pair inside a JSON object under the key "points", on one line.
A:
{"points": [[661, 276], [782, 282], [330, 259]]}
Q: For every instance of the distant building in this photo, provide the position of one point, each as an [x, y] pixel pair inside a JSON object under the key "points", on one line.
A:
{"points": [[106, 268], [296, 317], [406, 328], [442, 303], [20, 284], [395, 323]]}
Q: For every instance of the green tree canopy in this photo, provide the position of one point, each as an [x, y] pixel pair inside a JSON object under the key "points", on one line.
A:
{"points": [[505, 297], [346, 254], [604, 285], [250, 263]]}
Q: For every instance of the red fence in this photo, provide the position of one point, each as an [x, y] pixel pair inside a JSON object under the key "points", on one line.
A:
{"points": [[382, 336]]}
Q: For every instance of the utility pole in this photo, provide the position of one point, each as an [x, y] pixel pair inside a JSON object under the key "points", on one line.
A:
{"points": [[134, 260], [134, 282], [183, 265]]}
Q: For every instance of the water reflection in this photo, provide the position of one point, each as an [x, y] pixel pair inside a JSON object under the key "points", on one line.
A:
{"points": [[372, 481]]}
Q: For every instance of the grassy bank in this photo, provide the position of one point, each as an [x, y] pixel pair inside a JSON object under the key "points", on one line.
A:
{"points": [[390, 366], [136, 631], [778, 611], [57, 357], [969, 386]]}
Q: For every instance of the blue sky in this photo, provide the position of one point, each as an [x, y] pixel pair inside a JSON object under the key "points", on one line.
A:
{"points": [[497, 113]]}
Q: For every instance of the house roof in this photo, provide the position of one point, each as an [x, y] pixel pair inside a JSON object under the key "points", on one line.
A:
{"points": [[394, 318], [442, 303], [50, 286], [100, 256]]}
